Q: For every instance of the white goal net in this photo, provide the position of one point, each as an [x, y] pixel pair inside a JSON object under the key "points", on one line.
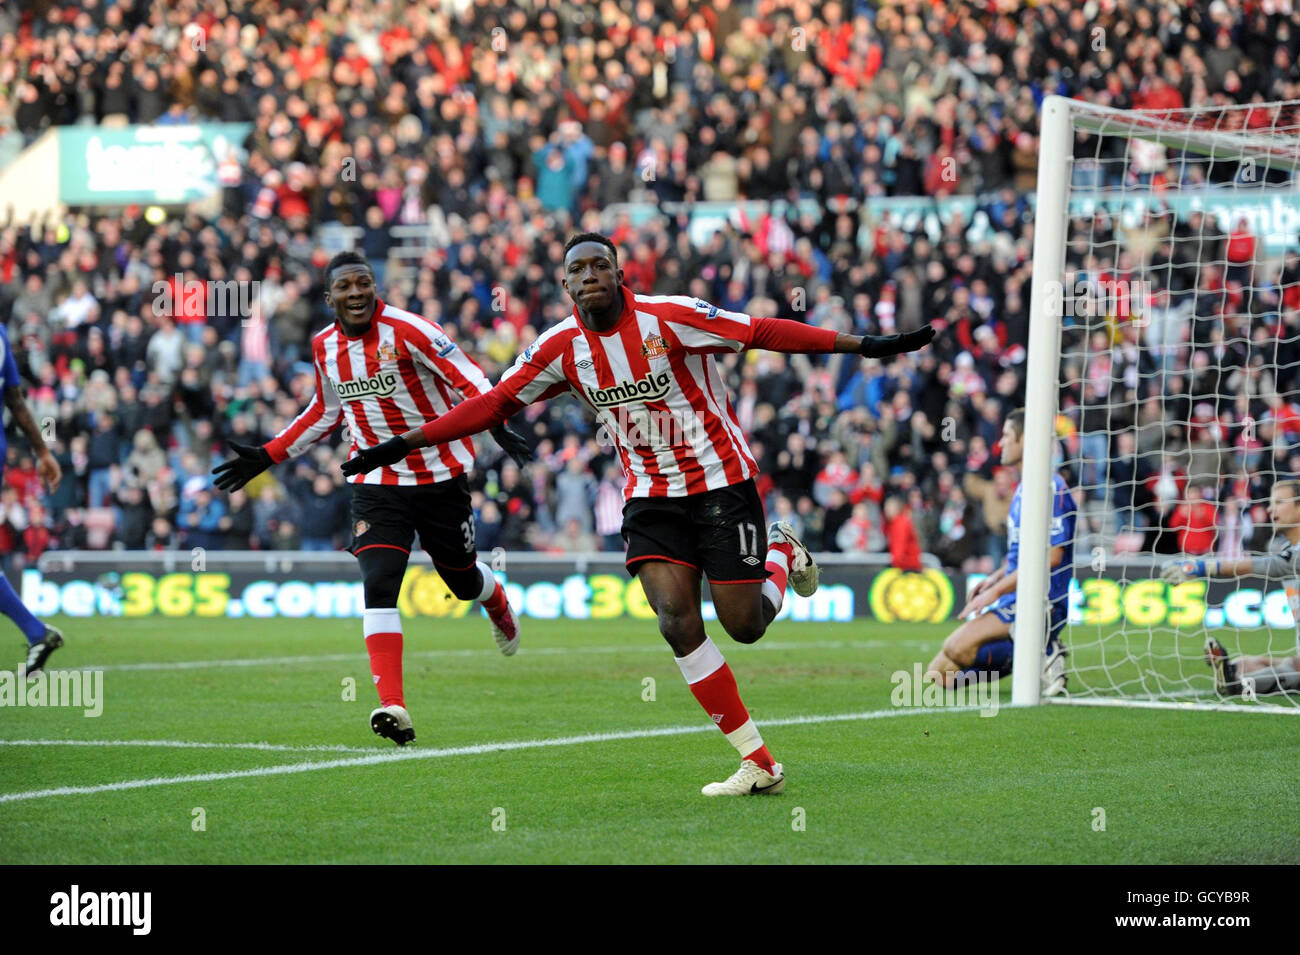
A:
{"points": [[1166, 327]]}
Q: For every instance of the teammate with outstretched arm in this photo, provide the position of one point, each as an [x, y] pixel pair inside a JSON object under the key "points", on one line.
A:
{"points": [[383, 369]]}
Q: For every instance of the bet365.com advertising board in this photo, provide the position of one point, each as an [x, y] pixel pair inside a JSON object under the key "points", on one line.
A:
{"points": [[301, 585]]}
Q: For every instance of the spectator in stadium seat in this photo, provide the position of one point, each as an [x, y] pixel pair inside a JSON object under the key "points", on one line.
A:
{"points": [[134, 515], [900, 532], [324, 514], [102, 458], [1195, 522], [609, 508], [574, 494], [236, 525], [201, 520]]}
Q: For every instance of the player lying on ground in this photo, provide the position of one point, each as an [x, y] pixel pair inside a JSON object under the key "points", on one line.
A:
{"points": [[1265, 674], [386, 370], [983, 643], [42, 639], [644, 364]]}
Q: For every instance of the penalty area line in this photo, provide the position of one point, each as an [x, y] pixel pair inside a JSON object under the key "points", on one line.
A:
{"points": [[406, 755]]}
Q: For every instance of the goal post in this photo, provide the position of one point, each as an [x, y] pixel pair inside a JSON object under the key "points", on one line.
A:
{"points": [[1047, 292], [1141, 294]]}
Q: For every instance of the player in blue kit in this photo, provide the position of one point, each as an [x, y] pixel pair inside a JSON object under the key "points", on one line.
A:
{"points": [[983, 643], [42, 639]]}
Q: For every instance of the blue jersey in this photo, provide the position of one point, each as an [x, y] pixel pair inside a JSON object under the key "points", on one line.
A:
{"points": [[1064, 515], [8, 379]]}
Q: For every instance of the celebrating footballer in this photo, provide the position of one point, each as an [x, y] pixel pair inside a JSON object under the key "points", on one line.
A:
{"points": [[692, 509]]}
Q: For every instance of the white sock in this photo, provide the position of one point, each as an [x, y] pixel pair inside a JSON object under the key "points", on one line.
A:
{"points": [[381, 620], [773, 595], [489, 581], [745, 738], [704, 661]]}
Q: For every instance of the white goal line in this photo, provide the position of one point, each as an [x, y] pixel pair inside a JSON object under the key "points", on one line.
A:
{"points": [[359, 655], [405, 755], [1272, 709]]}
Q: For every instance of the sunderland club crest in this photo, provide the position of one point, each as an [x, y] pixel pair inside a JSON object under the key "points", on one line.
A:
{"points": [[387, 352], [654, 346]]}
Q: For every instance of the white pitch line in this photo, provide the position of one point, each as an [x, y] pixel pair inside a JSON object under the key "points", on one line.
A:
{"points": [[487, 651], [185, 744], [474, 750]]}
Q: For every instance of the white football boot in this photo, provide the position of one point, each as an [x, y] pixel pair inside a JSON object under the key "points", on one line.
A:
{"points": [[750, 780], [804, 572], [505, 631], [1054, 677], [393, 722]]}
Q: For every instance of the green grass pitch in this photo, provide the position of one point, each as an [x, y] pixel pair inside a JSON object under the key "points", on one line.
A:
{"points": [[888, 785]]}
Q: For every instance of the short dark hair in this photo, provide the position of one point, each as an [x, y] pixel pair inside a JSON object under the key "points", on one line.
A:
{"points": [[580, 237], [1017, 421], [1289, 484], [344, 258]]}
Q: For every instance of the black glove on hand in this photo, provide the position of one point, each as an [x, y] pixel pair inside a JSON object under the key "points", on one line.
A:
{"points": [[238, 471], [390, 452], [513, 444], [883, 346]]}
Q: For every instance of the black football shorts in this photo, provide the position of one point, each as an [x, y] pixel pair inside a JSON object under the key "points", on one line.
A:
{"points": [[719, 533], [390, 516]]}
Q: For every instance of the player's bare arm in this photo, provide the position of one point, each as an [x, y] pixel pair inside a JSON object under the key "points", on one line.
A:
{"points": [[46, 466], [1004, 583]]}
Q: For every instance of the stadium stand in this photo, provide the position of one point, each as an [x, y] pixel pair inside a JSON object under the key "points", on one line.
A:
{"points": [[458, 144]]}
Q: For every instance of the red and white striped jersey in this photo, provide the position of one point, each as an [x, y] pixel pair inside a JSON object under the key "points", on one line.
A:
{"points": [[402, 372], [654, 387]]}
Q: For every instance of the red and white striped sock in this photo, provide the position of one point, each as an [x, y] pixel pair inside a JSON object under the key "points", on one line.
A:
{"points": [[714, 686], [778, 572], [383, 629]]}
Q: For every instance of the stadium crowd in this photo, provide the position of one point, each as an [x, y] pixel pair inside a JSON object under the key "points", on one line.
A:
{"points": [[502, 127]]}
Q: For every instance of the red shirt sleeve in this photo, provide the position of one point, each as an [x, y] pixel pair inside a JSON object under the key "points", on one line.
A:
{"points": [[783, 335], [471, 416]]}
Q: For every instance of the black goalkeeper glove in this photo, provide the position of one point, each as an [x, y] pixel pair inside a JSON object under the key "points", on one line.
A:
{"points": [[250, 461], [884, 346], [381, 455], [513, 444]]}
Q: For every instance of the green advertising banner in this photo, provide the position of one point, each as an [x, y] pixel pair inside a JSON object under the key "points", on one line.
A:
{"points": [[158, 165]]}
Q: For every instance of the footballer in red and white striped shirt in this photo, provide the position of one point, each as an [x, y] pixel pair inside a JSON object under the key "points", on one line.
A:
{"points": [[645, 366], [384, 370]]}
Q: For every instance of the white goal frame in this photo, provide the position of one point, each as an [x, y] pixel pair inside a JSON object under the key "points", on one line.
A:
{"points": [[1060, 118]]}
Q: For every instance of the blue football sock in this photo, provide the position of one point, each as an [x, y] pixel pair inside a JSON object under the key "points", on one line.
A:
{"points": [[13, 608], [993, 657]]}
